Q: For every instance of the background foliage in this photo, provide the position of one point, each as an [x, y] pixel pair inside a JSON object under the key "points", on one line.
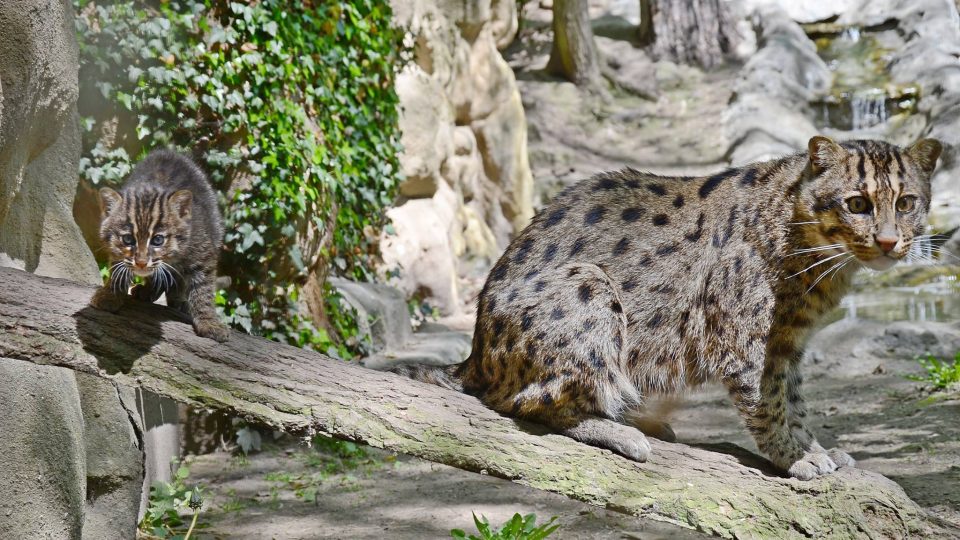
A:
{"points": [[291, 109]]}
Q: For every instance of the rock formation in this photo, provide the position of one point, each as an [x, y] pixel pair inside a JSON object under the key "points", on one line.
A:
{"points": [[468, 185], [71, 460]]}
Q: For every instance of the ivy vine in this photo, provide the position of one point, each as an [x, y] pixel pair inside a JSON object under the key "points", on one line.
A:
{"points": [[291, 109]]}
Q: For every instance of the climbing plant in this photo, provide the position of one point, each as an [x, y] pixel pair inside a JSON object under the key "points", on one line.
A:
{"points": [[291, 109]]}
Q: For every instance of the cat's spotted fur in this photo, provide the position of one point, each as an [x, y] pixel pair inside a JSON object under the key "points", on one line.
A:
{"points": [[631, 285], [164, 226]]}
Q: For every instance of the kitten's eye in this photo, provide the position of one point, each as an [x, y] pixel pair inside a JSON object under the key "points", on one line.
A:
{"points": [[906, 204], [157, 240], [858, 205], [128, 240]]}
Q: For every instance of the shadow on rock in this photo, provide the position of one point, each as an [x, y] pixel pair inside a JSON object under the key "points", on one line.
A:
{"points": [[139, 325]]}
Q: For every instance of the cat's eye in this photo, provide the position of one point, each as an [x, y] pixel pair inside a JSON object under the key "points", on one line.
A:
{"points": [[906, 204], [858, 205], [157, 240], [128, 240]]}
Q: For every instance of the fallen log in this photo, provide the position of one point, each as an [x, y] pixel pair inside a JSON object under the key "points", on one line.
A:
{"points": [[722, 490]]}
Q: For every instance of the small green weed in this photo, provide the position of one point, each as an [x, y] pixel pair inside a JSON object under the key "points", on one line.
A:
{"points": [[941, 374], [233, 503], [517, 528], [327, 457], [168, 500]]}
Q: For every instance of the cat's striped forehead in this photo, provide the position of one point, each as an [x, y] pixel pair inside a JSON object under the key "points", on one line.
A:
{"points": [[880, 169], [146, 211]]}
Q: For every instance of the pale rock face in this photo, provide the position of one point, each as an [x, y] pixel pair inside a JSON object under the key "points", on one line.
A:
{"points": [[465, 146], [40, 142], [805, 11], [768, 117], [426, 120], [421, 250]]}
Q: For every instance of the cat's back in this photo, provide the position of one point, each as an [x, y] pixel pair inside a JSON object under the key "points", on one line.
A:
{"points": [[171, 171], [615, 220]]}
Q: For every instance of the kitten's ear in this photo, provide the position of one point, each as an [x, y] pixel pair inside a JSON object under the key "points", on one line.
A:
{"points": [[182, 203], [109, 200], [824, 153], [925, 152]]}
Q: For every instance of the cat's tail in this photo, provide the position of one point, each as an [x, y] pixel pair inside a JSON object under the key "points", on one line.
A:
{"points": [[445, 376]]}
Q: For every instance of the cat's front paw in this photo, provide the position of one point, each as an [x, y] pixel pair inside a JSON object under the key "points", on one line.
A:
{"points": [[106, 300], [214, 330], [145, 294], [812, 465], [637, 449], [841, 458]]}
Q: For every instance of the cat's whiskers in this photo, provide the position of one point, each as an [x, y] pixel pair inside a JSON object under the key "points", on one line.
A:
{"points": [[815, 249], [835, 268], [120, 276], [919, 255], [818, 263], [168, 268], [941, 251]]}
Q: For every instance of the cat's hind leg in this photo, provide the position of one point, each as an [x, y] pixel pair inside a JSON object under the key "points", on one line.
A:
{"points": [[556, 357], [625, 440]]}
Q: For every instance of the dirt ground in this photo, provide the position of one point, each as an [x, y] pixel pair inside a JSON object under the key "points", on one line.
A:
{"points": [[859, 397]]}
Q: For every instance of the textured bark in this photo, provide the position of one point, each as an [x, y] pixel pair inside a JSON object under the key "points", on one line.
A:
{"points": [[574, 55], [689, 31], [727, 492]]}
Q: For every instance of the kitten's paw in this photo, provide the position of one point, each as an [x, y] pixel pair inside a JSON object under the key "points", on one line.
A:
{"points": [[841, 458], [212, 329], [144, 293], [812, 465], [106, 302]]}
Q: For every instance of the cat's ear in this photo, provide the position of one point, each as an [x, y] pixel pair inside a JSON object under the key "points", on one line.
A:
{"points": [[109, 200], [182, 203], [824, 153], [925, 152]]}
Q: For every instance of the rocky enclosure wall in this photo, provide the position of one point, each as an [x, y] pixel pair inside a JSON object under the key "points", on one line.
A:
{"points": [[468, 185], [71, 460]]}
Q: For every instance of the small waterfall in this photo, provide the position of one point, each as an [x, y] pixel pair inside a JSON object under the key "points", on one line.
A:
{"points": [[851, 34], [868, 108]]}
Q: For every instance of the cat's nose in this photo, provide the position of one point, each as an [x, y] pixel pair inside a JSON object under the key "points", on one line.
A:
{"points": [[887, 243], [140, 264]]}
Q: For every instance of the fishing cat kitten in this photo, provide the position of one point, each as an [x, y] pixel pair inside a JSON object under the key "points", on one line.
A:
{"points": [[630, 285], [164, 225]]}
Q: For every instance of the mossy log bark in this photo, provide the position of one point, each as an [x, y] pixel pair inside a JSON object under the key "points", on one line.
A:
{"points": [[728, 492]]}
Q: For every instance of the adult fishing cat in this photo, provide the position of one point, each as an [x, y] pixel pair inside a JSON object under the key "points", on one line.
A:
{"points": [[630, 285], [164, 226]]}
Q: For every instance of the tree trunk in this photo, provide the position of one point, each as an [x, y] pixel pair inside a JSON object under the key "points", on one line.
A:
{"points": [[723, 490], [645, 30], [697, 32], [574, 55]]}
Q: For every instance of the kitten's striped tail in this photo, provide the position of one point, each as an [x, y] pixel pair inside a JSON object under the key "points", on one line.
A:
{"points": [[445, 376]]}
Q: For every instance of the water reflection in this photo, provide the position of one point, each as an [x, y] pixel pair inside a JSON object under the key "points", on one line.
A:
{"points": [[935, 301]]}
